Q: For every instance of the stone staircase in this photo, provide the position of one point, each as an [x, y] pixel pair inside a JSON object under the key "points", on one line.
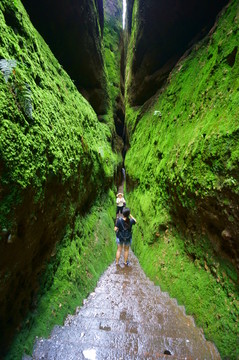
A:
{"points": [[127, 317]]}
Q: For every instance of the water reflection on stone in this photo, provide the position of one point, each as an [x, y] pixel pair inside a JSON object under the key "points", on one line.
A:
{"points": [[90, 354], [127, 317]]}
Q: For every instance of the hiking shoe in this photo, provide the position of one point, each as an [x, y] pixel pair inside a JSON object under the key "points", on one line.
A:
{"points": [[127, 263]]}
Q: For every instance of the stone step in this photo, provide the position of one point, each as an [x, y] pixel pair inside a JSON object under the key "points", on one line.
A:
{"points": [[132, 344], [168, 320], [101, 299], [114, 279], [88, 329], [127, 317], [100, 302], [84, 324], [73, 352]]}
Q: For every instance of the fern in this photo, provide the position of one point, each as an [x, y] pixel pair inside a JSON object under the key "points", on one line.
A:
{"points": [[6, 67], [23, 94], [22, 90]]}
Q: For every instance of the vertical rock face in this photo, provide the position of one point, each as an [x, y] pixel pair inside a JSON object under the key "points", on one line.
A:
{"points": [[129, 11], [162, 32], [100, 8], [165, 30], [184, 154], [73, 31], [55, 159], [113, 41]]}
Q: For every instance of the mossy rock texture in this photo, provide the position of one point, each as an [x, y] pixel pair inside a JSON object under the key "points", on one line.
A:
{"points": [[55, 159], [113, 41], [74, 33], [165, 30], [76, 263], [182, 180]]}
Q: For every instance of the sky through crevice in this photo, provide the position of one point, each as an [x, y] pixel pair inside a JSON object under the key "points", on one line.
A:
{"points": [[124, 12]]}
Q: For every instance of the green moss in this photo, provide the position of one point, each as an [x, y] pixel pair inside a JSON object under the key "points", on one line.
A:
{"points": [[186, 143], [71, 275], [112, 54], [194, 143], [129, 59], [189, 270], [64, 137], [112, 59], [63, 143]]}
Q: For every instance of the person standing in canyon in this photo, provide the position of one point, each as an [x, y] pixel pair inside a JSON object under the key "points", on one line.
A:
{"points": [[120, 203], [123, 229]]}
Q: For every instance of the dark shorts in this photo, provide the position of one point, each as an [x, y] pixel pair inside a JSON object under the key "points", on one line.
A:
{"points": [[119, 209], [120, 242]]}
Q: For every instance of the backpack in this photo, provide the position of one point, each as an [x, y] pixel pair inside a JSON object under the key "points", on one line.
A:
{"points": [[124, 234]]}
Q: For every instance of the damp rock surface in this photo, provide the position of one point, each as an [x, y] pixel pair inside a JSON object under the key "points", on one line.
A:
{"points": [[127, 317]]}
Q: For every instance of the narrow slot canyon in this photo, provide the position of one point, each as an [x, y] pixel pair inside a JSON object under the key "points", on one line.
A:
{"points": [[88, 90]]}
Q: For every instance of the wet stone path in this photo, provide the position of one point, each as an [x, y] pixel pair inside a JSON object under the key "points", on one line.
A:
{"points": [[127, 317]]}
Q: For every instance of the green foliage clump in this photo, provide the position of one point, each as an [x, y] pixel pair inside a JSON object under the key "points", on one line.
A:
{"points": [[71, 275]]}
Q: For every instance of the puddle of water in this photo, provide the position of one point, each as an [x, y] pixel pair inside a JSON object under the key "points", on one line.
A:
{"points": [[89, 354]]}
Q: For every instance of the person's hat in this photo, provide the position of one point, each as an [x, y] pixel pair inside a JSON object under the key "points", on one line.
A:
{"points": [[120, 194]]}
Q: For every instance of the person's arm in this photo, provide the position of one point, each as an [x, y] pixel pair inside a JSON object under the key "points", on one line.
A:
{"points": [[131, 217], [116, 228]]}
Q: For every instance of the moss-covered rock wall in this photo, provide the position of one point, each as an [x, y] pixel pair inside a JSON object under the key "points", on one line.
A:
{"points": [[74, 32], [55, 159], [114, 59], [165, 29], [182, 169], [71, 274]]}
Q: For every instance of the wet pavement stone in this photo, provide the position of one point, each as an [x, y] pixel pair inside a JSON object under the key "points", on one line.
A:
{"points": [[127, 317]]}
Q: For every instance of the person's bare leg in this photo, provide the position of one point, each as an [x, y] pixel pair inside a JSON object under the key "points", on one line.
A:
{"points": [[126, 253], [118, 253]]}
